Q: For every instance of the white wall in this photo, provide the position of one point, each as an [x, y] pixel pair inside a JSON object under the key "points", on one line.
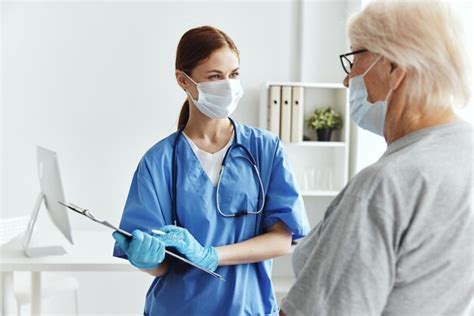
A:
{"points": [[95, 82], [465, 9], [1, 107], [321, 47]]}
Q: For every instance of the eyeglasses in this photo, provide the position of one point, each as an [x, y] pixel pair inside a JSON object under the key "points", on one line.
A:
{"points": [[346, 62]]}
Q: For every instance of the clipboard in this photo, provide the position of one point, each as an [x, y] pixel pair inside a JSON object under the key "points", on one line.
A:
{"points": [[90, 216]]}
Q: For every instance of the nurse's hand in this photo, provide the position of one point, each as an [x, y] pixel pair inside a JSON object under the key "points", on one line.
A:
{"points": [[144, 251], [182, 240]]}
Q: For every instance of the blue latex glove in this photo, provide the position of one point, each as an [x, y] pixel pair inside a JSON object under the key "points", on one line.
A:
{"points": [[144, 251], [182, 240]]}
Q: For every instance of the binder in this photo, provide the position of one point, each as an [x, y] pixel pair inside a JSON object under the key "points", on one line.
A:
{"points": [[285, 123], [273, 118], [297, 112]]}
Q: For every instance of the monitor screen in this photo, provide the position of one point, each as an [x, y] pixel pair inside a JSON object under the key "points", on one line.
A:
{"points": [[52, 188]]}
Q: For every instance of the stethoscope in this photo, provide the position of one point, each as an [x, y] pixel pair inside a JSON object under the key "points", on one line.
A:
{"points": [[235, 144]]}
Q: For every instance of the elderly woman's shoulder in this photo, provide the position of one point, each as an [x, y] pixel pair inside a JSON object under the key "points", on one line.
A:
{"points": [[374, 179], [373, 174], [420, 159]]}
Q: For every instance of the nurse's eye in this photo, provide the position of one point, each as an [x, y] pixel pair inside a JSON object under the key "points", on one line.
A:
{"points": [[214, 77], [235, 75]]}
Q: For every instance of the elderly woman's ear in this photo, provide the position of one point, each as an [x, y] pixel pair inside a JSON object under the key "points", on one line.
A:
{"points": [[397, 74]]}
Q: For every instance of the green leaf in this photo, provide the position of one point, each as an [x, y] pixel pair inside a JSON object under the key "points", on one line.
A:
{"points": [[325, 118]]}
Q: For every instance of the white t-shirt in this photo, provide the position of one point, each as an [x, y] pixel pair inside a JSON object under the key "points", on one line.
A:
{"points": [[211, 163]]}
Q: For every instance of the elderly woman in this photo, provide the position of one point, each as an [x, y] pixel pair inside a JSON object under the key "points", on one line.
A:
{"points": [[398, 239]]}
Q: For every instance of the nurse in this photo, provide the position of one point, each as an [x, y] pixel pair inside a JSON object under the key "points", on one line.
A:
{"points": [[222, 192]]}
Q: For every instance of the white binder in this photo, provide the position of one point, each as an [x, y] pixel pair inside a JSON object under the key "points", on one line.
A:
{"points": [[285, 124], [273, 118], [297, 112]]}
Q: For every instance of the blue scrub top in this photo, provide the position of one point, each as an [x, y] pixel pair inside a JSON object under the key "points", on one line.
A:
{"points": [[248, 288]]}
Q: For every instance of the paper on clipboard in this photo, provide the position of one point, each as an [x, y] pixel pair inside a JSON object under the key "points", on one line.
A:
{"points": [[89, 215]]}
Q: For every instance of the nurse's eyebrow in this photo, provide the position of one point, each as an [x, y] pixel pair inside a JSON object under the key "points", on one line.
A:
{"points": [[218, 71]]}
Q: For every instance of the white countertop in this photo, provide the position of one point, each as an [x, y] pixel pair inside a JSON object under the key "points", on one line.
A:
{"points": [[91, 251]]}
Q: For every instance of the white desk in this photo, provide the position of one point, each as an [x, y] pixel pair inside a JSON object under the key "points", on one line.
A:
{"points": [[92, 251]]}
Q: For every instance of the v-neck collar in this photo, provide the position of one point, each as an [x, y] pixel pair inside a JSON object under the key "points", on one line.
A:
{"points": [[192, 166], [208, 154]]}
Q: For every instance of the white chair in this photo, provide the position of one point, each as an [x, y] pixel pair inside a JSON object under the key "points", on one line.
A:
{"points": [[54, 287], [12, 227]]}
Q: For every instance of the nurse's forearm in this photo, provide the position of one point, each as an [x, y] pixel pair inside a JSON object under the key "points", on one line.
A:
{"points": [[276, 242], [159, 271]]}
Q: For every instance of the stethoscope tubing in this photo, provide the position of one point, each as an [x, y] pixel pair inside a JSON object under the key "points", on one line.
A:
{"points": [[235, 145]]}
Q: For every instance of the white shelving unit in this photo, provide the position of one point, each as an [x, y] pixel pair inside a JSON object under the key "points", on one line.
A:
{"points": [[319, 193], [317, 144], [321, 168]]}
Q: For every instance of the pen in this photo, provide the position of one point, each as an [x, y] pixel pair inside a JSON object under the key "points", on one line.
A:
{"points": [[158, 232]]}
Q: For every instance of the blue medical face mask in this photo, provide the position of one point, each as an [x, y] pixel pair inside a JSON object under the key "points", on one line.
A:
{"points": [[217, 99], [367, 115]]}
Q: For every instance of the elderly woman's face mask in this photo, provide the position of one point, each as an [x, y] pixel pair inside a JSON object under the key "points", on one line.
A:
{"points": [[367, 115]]}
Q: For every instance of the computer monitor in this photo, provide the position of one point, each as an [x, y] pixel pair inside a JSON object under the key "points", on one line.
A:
{"points": [[51, 192]]}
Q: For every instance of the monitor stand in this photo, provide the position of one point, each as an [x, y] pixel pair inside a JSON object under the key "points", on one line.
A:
{"points": [[38, 251]]}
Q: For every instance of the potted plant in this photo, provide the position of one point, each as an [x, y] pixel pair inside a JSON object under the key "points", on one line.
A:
{"points": [[324, 121]]}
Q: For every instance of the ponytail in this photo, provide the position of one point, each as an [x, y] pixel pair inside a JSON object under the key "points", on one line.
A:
{"points": [[183, 115]]}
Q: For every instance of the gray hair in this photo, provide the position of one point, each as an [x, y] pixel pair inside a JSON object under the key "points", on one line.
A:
{"points": [[423, 37]]}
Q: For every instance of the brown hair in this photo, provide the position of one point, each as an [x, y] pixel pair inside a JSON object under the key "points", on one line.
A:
{"points": [[194, 48]]}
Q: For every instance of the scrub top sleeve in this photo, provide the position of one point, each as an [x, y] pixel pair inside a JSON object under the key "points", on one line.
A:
{"points": [[283, 201], [142, 209]]}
